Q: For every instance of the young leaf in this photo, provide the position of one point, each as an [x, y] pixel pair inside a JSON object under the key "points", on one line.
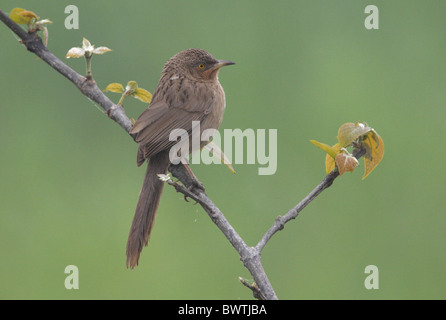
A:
{"points": [[325, 147], [375, 152], [101, 50], [22, 16], [43, 22], [17, 17], [143, 95], [346, 163], [29, 15], [329, 161], [115, 87], [131, 87], [75, 52], [86, 45], [349, 132], [362, 137]]}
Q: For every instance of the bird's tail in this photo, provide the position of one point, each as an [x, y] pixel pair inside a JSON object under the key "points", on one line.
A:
{"points": [[148, 201]]}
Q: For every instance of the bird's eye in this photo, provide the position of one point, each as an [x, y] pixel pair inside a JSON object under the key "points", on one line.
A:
{"points": [[201, 66]]}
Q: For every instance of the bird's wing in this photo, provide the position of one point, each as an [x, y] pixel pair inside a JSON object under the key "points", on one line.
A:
{"points": [[176, 111]]}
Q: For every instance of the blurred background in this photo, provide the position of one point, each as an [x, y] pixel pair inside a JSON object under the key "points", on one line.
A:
{"points": [[69, 181]]}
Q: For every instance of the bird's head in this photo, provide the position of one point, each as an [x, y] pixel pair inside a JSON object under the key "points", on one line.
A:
{"points": [[197, 64]]}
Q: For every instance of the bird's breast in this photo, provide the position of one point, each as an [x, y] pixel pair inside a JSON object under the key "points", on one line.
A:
{"points": [[215, 116]]}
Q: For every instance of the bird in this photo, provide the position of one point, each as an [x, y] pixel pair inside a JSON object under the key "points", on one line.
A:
{"points": [[188, 94]]}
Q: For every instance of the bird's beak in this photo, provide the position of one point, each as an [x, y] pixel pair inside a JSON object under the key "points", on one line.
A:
{"points": [[222, 63]]}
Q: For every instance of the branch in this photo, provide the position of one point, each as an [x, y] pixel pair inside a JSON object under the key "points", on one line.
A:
{"points": [[190, 187], [248, 255], [280, 221]]}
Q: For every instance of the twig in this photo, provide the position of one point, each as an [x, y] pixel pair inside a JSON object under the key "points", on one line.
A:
{"points": [[280, 221], [254, 288]]}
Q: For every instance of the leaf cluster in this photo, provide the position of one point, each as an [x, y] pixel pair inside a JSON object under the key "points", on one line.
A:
{"points": [[357, 135]]}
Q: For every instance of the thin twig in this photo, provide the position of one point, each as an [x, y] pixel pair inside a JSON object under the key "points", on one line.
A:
{"points": [[280, 221], [254, 288]]}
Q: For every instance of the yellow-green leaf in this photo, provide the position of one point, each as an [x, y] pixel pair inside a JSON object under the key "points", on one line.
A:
{"points": [[325, 147], [22, 16], [349, 132], [131, 87], [143, 95], [16, 17], [375, 152], [29, 15], [329, 161], [115, 87]]}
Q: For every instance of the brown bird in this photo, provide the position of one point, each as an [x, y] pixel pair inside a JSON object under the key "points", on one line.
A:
{"points": [[188, 91]]}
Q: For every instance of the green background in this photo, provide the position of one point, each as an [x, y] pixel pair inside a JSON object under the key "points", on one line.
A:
{"points": [[69, 181]]}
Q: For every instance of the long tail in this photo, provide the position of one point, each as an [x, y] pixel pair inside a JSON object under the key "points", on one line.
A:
{"points": [[148, 201]]}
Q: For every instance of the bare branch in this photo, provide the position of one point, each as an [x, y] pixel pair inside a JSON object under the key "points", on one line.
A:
{"points": [[280, 221]]}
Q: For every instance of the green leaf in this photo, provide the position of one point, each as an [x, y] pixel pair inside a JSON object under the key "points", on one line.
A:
{"points": [[131, 87], [325, 147], [349, 132], [375, 152], [22, 16], [115, 87], [143, 95], [330, 162]]}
